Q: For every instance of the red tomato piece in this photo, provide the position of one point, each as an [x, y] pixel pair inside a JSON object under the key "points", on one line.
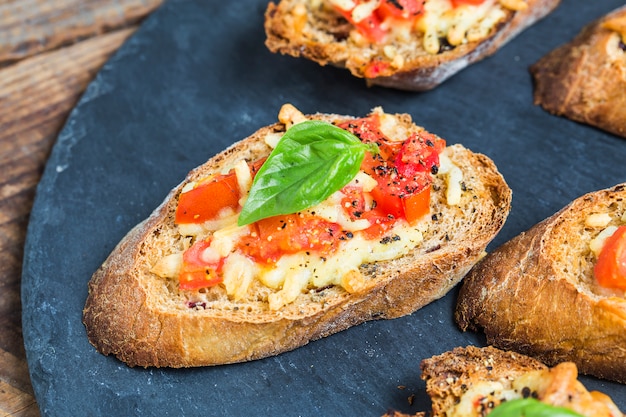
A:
{"points": [[375, 68], [205, 201], [370, 26], [610, 270], [286, 234], [419, 153], [197, 273], [401, 9], [416, 205]]}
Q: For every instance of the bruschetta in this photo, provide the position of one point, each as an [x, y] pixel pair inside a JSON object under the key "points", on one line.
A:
{"points": [[557, 292], [407, 44], [585, 79], [305, 228], [475, 382]]}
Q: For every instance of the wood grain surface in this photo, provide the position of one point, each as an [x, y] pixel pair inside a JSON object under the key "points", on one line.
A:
{"points": [[49, 52]]}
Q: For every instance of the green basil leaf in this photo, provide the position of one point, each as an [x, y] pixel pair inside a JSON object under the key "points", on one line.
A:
{"points": [[312, 160], [529, 407]]}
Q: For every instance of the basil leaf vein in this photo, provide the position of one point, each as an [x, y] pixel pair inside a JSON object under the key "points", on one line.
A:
{"points": [[311, 161]]}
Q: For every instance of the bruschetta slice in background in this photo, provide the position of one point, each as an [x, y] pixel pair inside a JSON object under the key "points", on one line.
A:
{"points": [[408, 44], [585, 79], [557, 292]]}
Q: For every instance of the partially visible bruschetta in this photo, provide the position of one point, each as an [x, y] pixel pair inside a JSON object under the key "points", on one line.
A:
{"points": [[558, 291], [408, 44], [585, 79], [307, 227], [476, 382]]}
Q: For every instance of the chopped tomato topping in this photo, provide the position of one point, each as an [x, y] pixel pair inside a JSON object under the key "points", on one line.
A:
{"points": [[416, 205], [375, 68], [610, 270], [198, 272], [279, 235], [402, 169], [400, 9], [371, 26], [207, 199], [419, 153]]}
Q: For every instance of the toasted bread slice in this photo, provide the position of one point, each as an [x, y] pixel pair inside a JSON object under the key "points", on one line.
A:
{"points": [[585, 79], [408, 61], [537, 294], [472, 382], [145, 320]]}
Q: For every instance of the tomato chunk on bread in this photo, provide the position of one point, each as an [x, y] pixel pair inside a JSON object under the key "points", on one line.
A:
{"points": [[327, 221], [556, 292]]}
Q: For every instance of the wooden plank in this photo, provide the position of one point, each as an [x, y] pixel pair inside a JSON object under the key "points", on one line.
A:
{"points": [[36, 95], [14, 402], [16, 394], [29, 27]]}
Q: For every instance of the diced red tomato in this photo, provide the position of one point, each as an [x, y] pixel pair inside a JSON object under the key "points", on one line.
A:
{"points": [[205, 201], [419, 153], [286, 234], [416, 205], [610, 270], [196, 272], [370, 27], [376, 68], [400, 9], [402, 170]]}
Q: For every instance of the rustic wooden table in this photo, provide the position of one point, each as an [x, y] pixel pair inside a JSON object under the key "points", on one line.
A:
{"points": [[49, 52]]}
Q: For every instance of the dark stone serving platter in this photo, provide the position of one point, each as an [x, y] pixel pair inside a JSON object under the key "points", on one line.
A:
{"points": [[195, 78]]}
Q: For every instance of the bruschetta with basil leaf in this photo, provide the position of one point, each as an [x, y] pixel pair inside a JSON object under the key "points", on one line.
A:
{"points": [[307, 227]]}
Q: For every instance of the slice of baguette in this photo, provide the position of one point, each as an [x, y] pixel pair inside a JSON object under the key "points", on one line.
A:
{"points": [[537, 295], [309, 29], [471, 382], [144, 320], [585, 79]]}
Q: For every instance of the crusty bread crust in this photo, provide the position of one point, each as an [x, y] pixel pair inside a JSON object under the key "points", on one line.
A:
{"points": [[536, 293], [135, 316], [321, 38], [579, 80], [482, 376], [449, 375]]}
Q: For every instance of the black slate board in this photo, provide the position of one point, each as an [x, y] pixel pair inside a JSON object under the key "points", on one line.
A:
{"points": [[195, 78]]}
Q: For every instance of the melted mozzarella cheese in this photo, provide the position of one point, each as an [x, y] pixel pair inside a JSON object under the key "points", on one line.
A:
{"points": [[443, 21], [296, 272]]}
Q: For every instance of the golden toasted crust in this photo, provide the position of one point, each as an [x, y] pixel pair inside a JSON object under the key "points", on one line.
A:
{"points": [[322, 37], [135, 316], [585, 79], [450, 375], [536, 293]]}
